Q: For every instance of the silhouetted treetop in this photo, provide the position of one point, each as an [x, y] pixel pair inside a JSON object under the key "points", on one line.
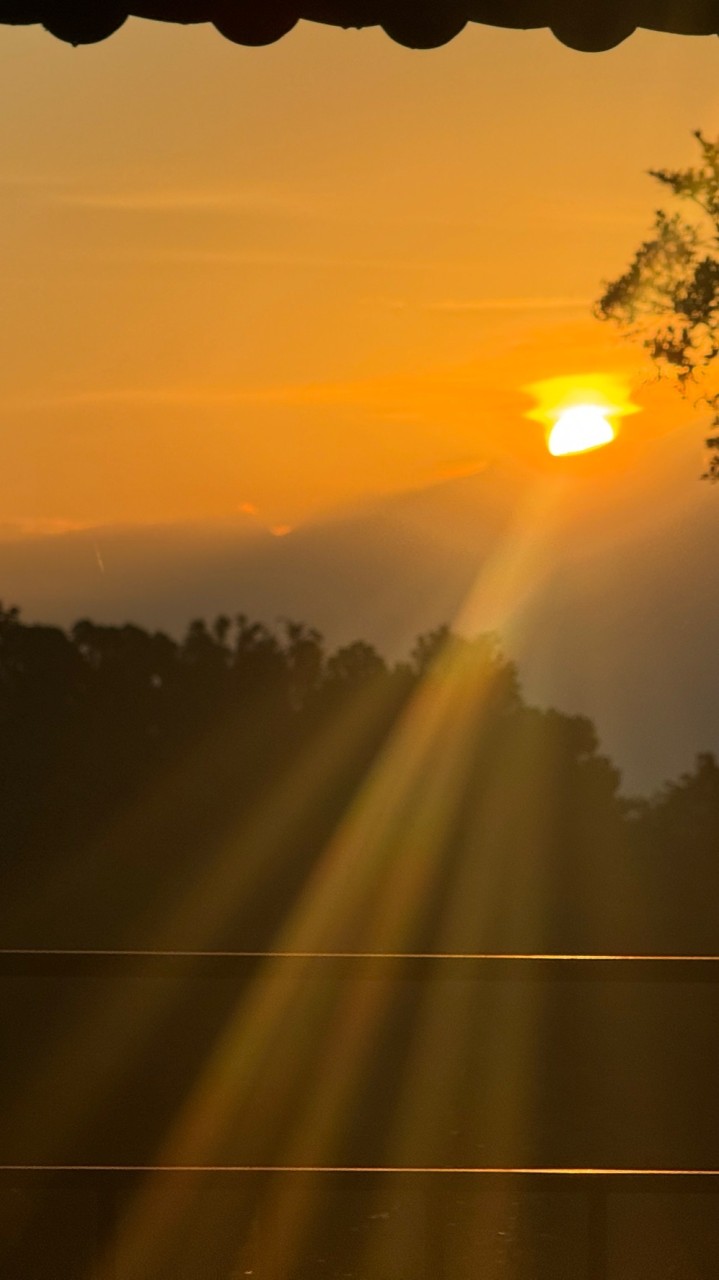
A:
{"points": [[134, 755], [668, 298]]}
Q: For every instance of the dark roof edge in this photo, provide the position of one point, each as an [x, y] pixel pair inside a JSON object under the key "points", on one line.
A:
{"points": [[587, 25]]}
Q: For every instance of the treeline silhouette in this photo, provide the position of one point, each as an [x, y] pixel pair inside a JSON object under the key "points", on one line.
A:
{"points": [[128, 760], [200, 794]]}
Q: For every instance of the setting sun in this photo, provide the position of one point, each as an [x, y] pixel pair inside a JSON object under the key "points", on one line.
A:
{"points": [[579, 428], [581, 411]]}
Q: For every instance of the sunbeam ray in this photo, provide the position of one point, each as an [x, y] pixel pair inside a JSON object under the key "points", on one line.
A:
{"points": [[371, 889]]}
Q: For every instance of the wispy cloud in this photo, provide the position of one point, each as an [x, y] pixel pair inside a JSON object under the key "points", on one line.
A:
{"points": [[169, 395], [40, 527], [265, 198], [462, 307], [224, 259], [398, 398], [159, 199], [183, 396], [473, 306]]}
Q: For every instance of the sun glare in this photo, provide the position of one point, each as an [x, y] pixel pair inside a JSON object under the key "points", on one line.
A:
{"points": [[579, 428], [579, 412]]}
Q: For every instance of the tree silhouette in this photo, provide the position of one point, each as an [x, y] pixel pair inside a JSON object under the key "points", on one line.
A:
{"points": [[132, 756], [668, 297]]}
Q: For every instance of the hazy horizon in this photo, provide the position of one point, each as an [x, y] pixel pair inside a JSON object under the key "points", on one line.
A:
{"points": [[475, 552]]}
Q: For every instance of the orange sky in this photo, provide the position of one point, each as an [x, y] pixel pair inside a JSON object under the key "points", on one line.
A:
{"points": [[297, 277]]}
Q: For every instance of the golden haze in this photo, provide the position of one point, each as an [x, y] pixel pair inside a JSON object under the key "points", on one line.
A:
{"points": [[300, 277]]}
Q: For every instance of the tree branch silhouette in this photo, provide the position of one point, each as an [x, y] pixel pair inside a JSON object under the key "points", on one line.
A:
{"points": [[668, 298]]}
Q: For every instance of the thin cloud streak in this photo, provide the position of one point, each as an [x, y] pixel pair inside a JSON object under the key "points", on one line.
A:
{"points": [[509, 304], [369, 393], [252, 198], [203, 397], [178, 200], [40, 527], [262, 258], [470, 306]]}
